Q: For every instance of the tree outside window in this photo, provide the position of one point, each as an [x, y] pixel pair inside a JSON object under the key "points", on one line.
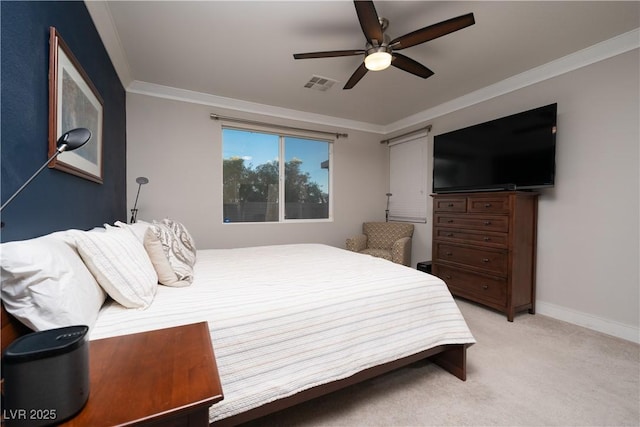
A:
{"points": [[253, 178]]}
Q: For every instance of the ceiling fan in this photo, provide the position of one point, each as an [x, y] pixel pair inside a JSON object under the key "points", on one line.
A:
{"points": [[380, 50]]}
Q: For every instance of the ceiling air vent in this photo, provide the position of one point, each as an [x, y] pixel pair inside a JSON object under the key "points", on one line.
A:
{"points": [[320, 83]]}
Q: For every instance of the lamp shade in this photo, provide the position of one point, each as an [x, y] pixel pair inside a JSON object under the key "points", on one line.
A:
{"points": [[377, 61], [74, 139]]}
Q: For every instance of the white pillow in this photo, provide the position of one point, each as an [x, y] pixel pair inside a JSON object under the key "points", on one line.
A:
{"points": [[120, 264], [164, 252], [46, 285], [137, 228]]}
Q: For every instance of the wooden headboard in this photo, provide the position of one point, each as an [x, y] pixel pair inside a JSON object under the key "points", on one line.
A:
{"points": [[11, 329]]}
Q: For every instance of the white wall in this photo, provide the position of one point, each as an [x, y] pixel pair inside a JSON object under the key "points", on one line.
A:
{"points": [[588, 227], [589, 224], [178, 147]]}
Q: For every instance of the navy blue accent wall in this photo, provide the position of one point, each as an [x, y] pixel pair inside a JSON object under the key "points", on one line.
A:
{"points": [[55, 200]]}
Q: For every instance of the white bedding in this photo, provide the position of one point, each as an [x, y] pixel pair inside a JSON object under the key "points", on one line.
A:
{"points": [[287, 318]]}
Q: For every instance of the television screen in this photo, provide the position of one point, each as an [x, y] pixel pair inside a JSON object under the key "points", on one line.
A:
{"points": [[510, 153]]}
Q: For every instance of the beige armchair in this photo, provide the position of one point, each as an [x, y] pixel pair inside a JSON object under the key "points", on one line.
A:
{"points": [[388, 240]]}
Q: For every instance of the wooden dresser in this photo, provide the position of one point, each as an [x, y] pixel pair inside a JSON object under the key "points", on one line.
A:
{"points": [[484, 247]]}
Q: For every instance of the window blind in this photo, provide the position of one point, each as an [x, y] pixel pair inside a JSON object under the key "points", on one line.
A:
{"points": [[408, 180]]}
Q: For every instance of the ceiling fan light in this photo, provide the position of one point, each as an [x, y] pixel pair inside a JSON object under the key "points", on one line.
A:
{"points": [[377, 61]]}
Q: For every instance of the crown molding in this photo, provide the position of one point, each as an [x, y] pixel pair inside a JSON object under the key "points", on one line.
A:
{"points": [[103, 21], [582, 58], [167, 92]]}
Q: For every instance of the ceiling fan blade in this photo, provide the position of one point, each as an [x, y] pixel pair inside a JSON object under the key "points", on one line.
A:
{"points": [[432, 32], [356, 76], [328, 54], [369, 21], [409, 65]]}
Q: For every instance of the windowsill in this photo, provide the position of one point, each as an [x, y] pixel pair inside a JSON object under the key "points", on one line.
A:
{"points": [[288, 221]]}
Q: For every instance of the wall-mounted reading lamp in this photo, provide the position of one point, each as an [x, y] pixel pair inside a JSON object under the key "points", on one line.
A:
{"points": [[141, 180], [69, 141]]}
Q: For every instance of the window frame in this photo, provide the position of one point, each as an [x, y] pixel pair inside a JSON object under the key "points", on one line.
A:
{"points": [[281, 172]]}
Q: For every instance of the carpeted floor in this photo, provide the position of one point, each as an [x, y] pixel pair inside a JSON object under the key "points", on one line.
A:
{"points": [[536, 371]]}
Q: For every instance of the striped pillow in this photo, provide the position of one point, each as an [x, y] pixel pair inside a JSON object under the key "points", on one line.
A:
{"points": [[120, 264]]}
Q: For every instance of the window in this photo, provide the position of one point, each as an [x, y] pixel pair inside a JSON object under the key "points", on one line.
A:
{"points": [[259, 167], [408, 180]]}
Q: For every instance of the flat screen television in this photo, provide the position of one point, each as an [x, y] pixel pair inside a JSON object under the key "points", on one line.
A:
{"points": [[510, 153]]}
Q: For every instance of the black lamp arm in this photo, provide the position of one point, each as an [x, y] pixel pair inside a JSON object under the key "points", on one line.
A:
{"points": [[69, 141], [58, 151]]}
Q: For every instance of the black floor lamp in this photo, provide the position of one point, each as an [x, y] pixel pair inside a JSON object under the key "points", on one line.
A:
{"points": [[386, 211], [141, 180]]}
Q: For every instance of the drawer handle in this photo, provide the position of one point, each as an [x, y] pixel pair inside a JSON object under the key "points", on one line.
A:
{"points": [[487, 239], [450, 205], [485, 259], [485, 287], [487, 223], [450, 221], [448, 276], [487, 205], [449, 234], [449, 253]]}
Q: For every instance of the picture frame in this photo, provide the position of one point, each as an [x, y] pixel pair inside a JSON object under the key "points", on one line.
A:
{"points": [[74, 102]]}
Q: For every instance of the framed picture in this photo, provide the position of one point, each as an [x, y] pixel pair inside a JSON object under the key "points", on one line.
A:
{"points": [[74, 102]]}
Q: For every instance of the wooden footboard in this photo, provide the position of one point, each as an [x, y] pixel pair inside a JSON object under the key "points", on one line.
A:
{"points": [[452, 358]]}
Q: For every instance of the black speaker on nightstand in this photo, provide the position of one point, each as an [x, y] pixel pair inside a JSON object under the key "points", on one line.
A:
{"points": [[425, 266], [46, 376]]}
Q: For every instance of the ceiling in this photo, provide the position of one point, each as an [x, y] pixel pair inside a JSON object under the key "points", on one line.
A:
{"points": [[244, 49]]}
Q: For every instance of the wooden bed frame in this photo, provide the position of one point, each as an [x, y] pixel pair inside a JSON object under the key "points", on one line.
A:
{"points": [[11, 329], [452, 358]]}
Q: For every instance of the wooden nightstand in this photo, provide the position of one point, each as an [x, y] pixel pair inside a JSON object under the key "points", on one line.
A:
{"points": [[166, 377]]}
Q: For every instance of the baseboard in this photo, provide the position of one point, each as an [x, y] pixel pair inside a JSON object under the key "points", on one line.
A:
{"points": [[610, 327]]}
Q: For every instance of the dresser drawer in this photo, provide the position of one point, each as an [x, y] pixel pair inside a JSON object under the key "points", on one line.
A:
{"points": [[485, 238], [458, 204], [476, 222], [488, 259], [474, 286], [488, 204]]}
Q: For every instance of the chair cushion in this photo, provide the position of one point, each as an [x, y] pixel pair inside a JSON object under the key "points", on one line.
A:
{"points": [[381, 235], [380, 253]]}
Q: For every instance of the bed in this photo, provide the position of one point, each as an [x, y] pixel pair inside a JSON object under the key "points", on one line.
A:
{"points": [[291, 322]]}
